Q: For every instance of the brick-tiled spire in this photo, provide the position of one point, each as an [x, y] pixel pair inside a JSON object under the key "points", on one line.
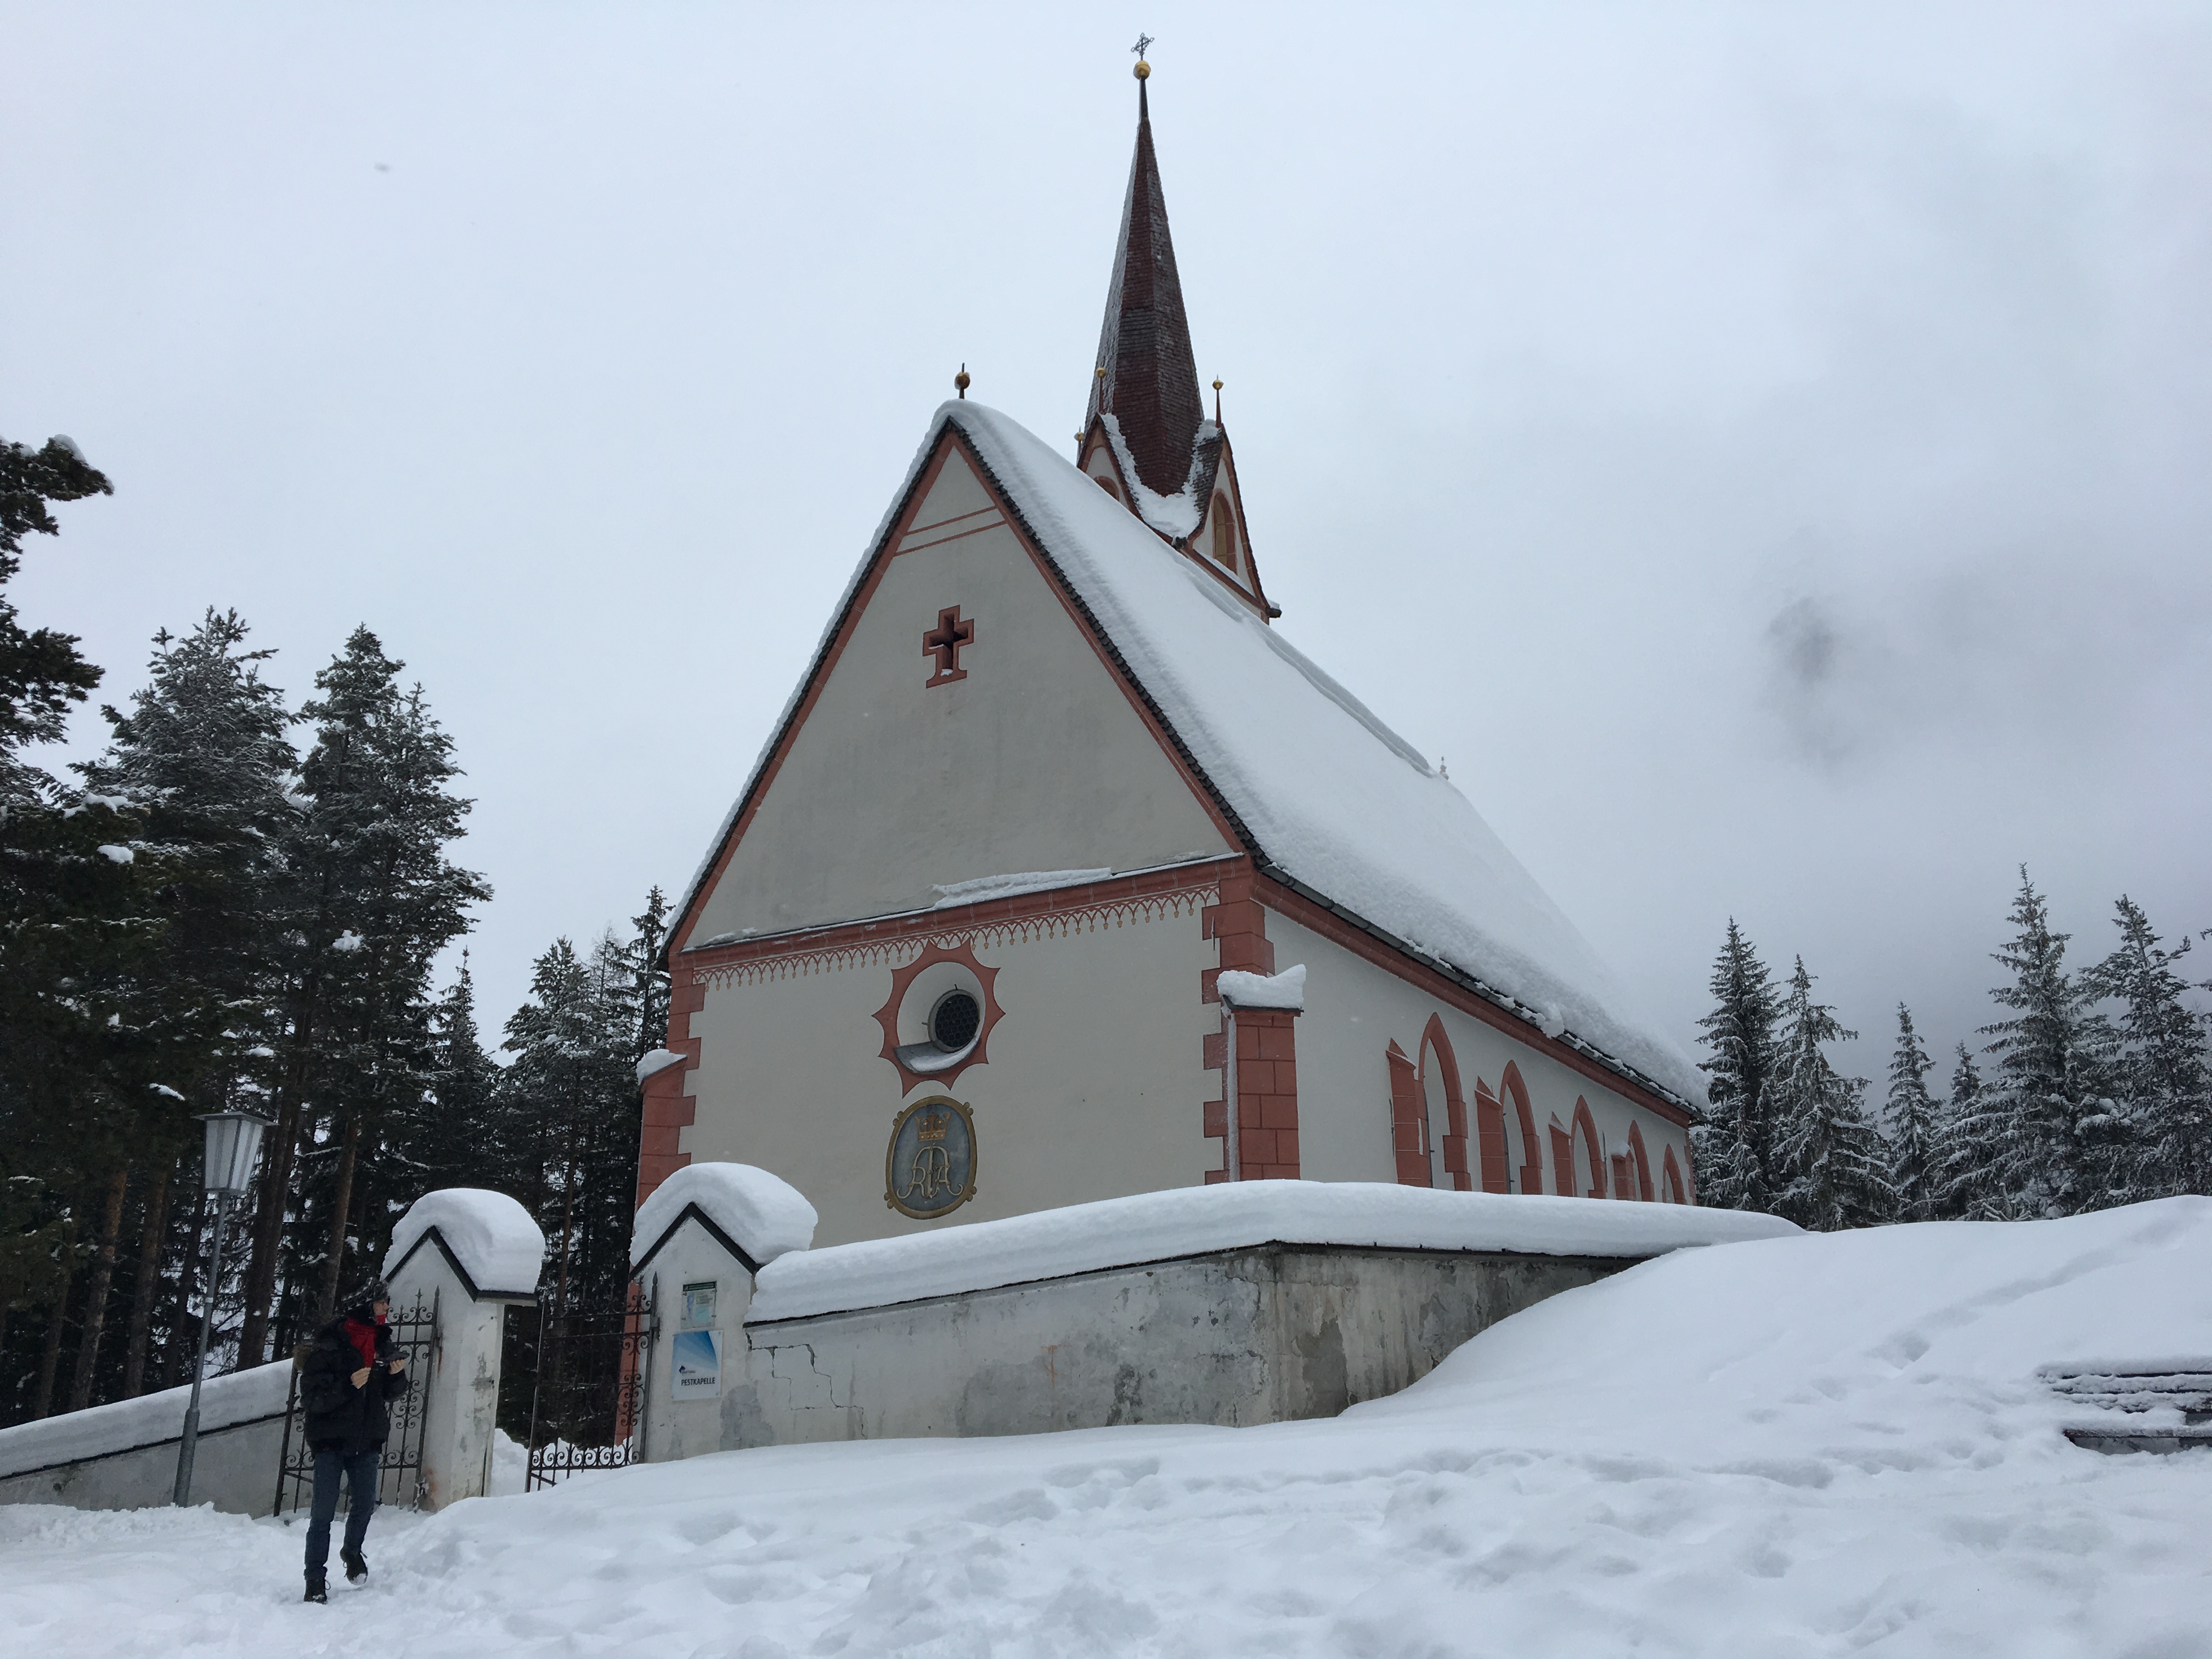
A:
{"points": [[1150, 381]]}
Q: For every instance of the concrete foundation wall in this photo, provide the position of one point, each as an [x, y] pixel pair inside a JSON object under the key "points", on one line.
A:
{"points": [[234, 1468], [1255, 1335]]}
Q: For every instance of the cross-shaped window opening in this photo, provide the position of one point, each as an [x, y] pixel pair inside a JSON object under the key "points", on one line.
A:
{"points": [[943, 642]]}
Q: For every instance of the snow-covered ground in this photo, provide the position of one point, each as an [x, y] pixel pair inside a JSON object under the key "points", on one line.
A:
{"points": [[1789, 1447]]}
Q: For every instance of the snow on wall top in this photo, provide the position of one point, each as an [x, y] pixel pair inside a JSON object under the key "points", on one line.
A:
{"points": [[1285, 990], [492, 1236], [1118, 1232], [765, 1215], [1329, 794], [102, 1430]]}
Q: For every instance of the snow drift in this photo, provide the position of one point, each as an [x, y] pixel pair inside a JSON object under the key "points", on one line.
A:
{"points": [[1807, 1445]]}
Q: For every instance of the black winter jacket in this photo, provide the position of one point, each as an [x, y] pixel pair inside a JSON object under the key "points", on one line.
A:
{"points": [[339, 1415]]}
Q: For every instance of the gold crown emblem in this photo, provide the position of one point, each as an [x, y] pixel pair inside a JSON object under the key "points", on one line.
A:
{"points": [[934, 1126]]}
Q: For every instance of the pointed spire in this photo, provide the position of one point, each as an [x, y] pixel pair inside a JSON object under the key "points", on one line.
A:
{"points": [[1147, 377]]}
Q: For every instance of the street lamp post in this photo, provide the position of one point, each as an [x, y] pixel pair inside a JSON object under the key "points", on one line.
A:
{"points": [[234, 1141]]}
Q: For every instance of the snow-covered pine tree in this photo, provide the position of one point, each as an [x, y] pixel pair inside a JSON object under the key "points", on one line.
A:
{"points": [[1914, 1130], [87, 1032], [458, 1140], [204, 752], [572, 1079], [2040, 1139], [649, 951], [1961, 1191], [1831, 1163], [2161, 1065], [1734, 1146], [374, 899]]}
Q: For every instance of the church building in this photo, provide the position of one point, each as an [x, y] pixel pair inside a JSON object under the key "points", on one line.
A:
{"points": [[1052, 771]]}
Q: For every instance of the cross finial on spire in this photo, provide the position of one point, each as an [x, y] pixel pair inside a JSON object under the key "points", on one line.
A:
{"points": [[1143, 42]]}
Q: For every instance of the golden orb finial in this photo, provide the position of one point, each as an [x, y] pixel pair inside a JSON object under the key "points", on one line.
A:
{"points": [[961, 382], [1143, 68]]}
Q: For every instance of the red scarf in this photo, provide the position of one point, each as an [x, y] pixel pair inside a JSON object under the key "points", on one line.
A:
{"points": [[363, 1333]]}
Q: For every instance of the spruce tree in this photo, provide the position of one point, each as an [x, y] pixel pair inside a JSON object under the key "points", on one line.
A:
{"points": [[2160, 1069], [573, 1073], [1915, 1130], [1831, 1163], [2042, 1138], [1961, 1190], [92, 1045], [203, 753], [373, 898], [1733, 1144]]}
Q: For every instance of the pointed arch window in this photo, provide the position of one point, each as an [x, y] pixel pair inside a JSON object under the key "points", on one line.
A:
{"points": [[1587, 1155], [1224, 534], [1443, 1111]]}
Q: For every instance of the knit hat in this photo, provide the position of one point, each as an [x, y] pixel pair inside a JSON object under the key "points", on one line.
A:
{"points": [[364, 1300]]}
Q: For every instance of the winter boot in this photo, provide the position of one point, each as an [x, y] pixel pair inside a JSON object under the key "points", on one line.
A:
{"points": [[356, 1565], [315, 1591]]}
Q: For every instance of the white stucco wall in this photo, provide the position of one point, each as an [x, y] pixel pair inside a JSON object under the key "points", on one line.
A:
{"points": [[1037, 760], [1094, 1087], [1354, 1010], [1235, 1338]]}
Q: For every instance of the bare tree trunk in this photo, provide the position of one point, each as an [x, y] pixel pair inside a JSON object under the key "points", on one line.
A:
{"points": [[269, 1228], [50, 1356], [183, 1327], [95, 1292], [341, 1206], [150, 1239]]}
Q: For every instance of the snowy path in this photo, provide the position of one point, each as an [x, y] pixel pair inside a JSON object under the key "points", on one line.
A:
{"points": [[1806, 1446]]}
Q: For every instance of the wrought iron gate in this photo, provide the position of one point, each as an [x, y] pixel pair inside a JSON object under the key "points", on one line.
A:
{"points": [[414, 1334], [589, 1371]]}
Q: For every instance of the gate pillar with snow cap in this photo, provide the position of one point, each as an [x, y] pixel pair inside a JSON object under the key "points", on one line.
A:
{"points": [[471, 1254], [699, 1240]]}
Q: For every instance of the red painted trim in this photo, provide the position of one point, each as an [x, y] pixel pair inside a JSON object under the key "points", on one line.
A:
{"points": [[1268, 1093], [1435, 1040], [1408, 1132], [887, 1015], [1563, 1158], [1337, 931], [957, 517], [1532, 1168], [1671, 1176], [1266, 1065], [1243, 530], [1111, 892], [950, 438], [1587, 1125], [668, 1110], [1490, 1134], [1642, 1160], [1095, 440]]}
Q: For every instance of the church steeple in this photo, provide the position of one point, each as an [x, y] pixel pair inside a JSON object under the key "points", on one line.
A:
{"points": [[1146, 438], [1147, 378]]}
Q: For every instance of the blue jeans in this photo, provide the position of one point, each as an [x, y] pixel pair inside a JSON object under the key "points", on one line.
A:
{"points": [[360, 1469]]}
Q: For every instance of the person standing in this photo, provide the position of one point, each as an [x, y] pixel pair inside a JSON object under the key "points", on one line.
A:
{"points": [[352, 1368]]}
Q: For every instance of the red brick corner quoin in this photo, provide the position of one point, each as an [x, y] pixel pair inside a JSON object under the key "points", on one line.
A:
{"points": [[1266, 1045]]}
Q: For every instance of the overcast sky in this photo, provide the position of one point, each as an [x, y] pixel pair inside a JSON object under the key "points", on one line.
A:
{"points": [[1766, 452]]}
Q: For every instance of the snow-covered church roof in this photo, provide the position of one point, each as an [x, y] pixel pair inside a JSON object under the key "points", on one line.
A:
{"points": [[1327, 796]]}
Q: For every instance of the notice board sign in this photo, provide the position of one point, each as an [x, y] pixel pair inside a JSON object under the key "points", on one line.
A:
{"points": [[697, 1372]]}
